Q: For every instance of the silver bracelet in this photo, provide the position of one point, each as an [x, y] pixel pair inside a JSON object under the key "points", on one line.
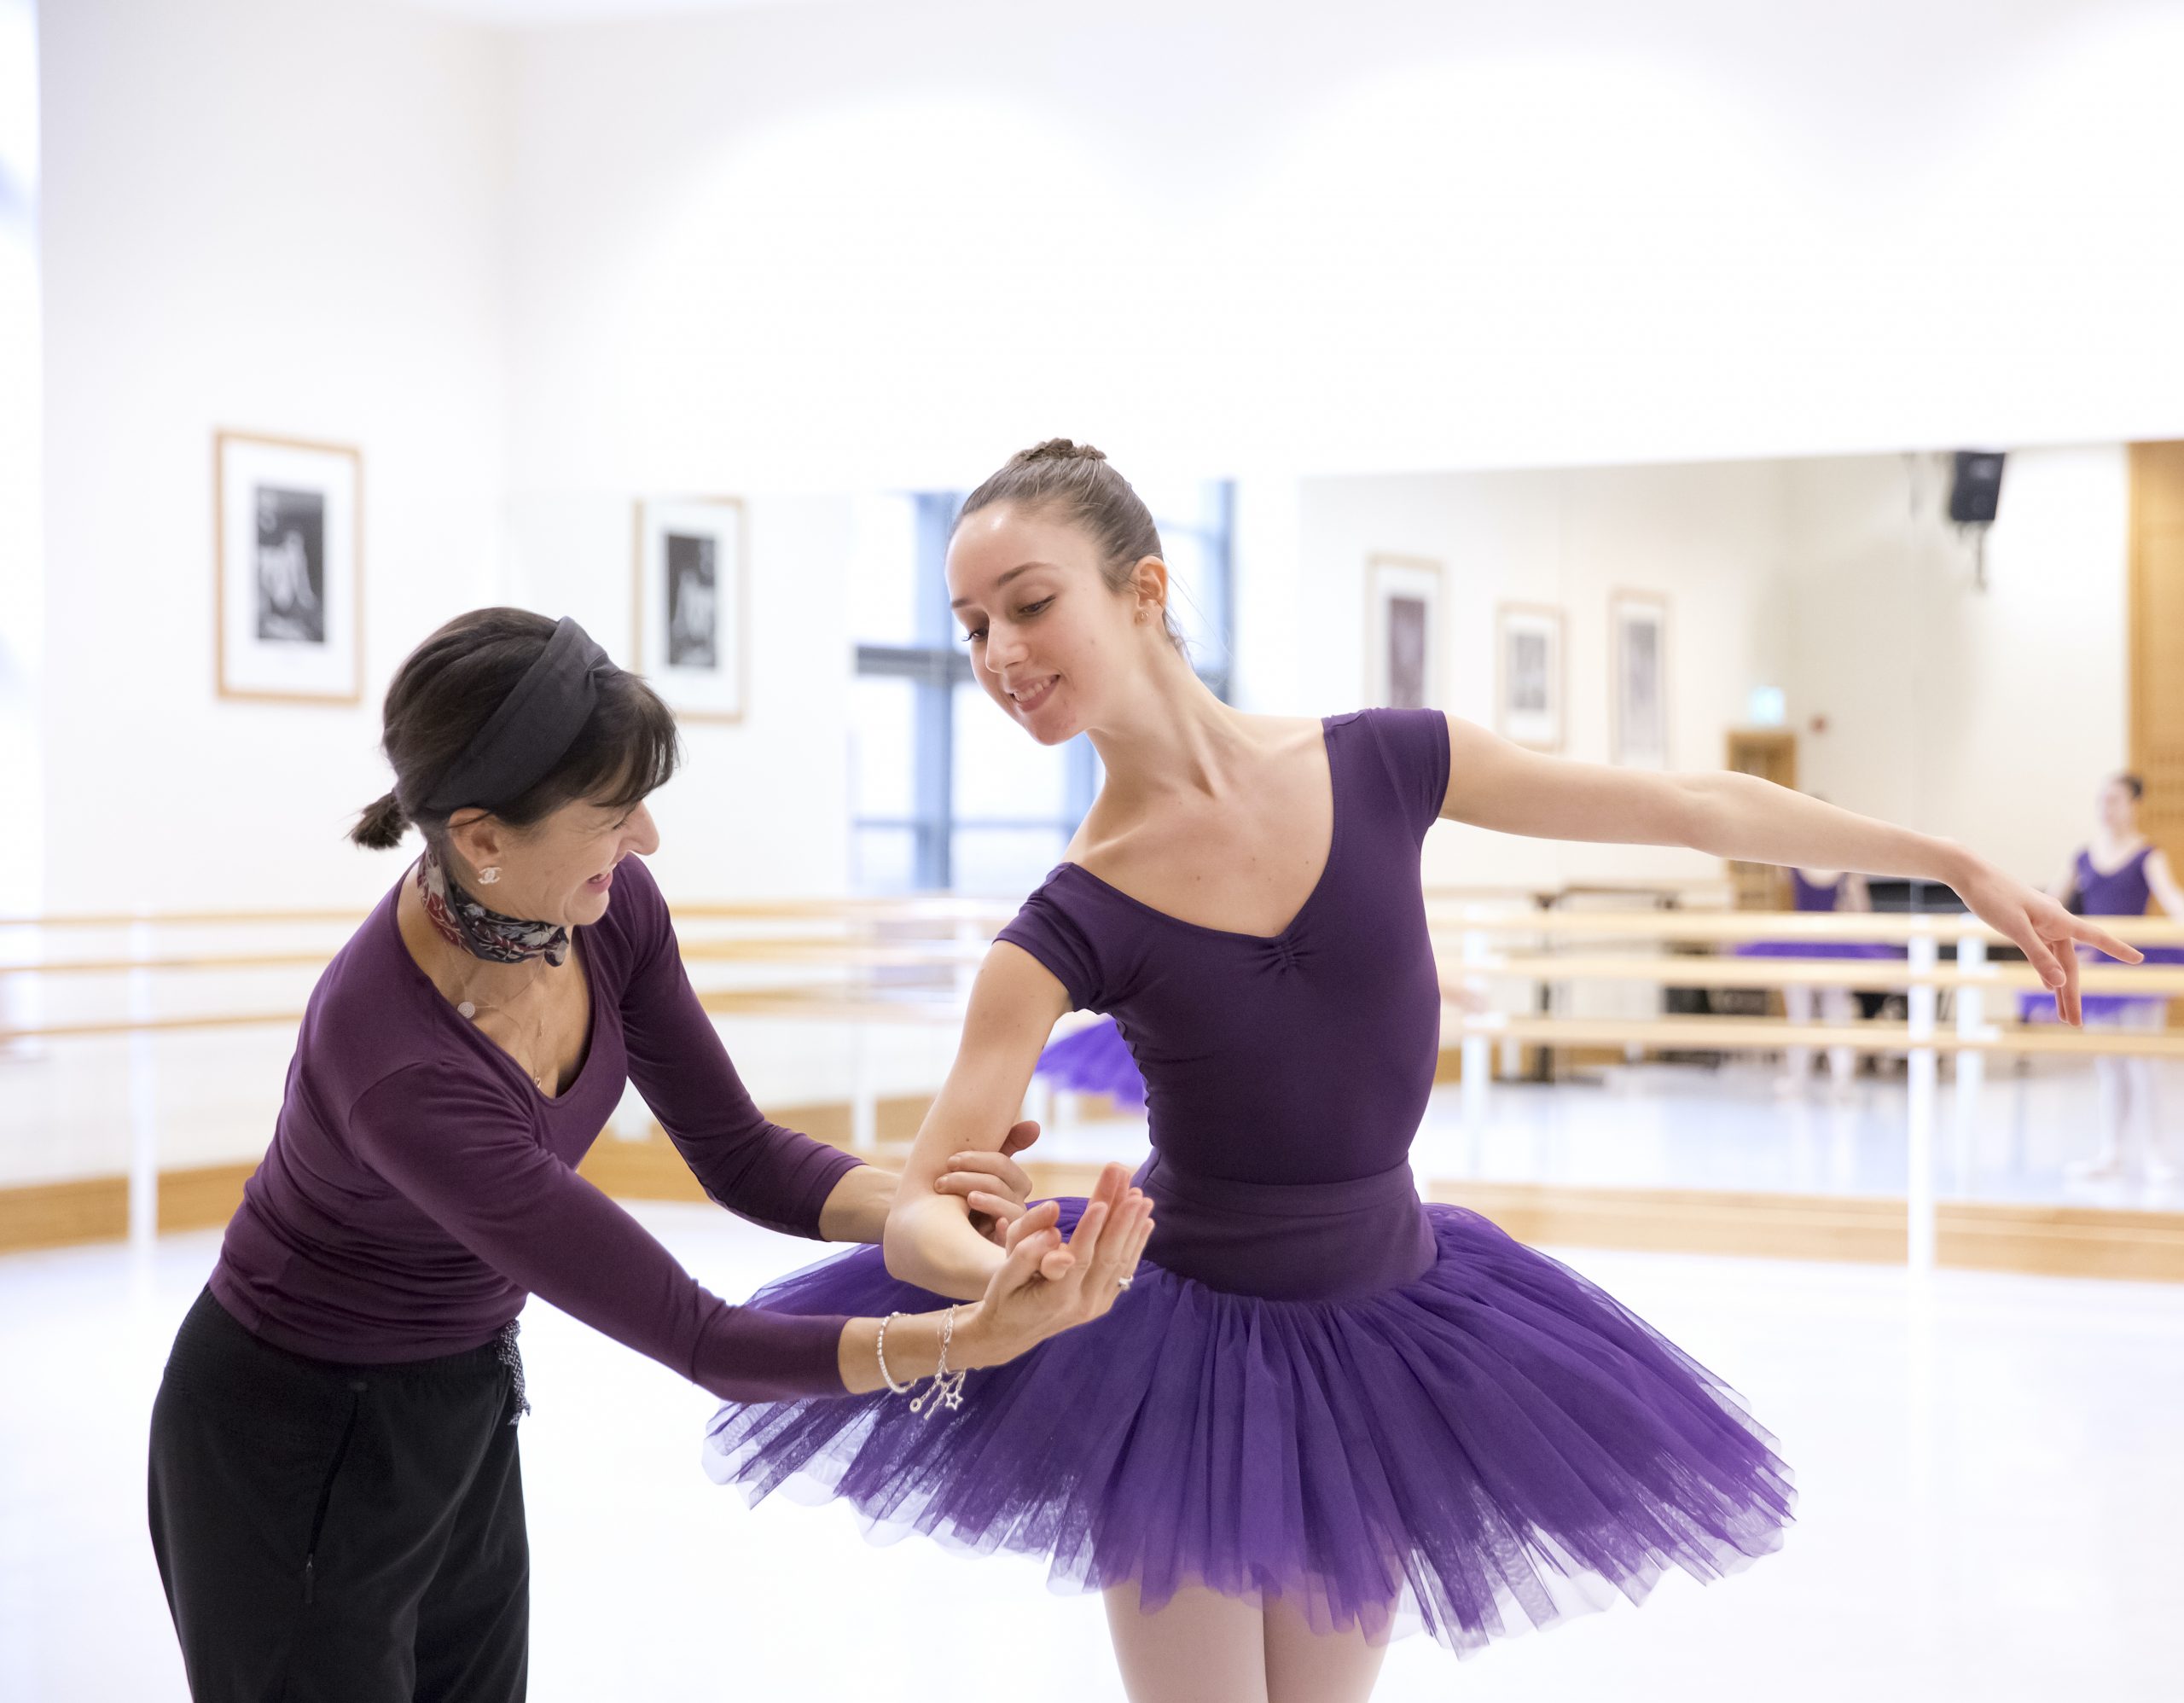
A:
{"points": [[886, 1376], [947, 1389]]}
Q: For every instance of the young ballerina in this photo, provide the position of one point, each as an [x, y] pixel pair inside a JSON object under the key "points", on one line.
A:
{"points": [[2116, 873], [1322, 1409]]}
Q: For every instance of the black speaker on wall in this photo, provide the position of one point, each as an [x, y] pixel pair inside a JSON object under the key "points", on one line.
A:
{"points": [[1978, 487]]}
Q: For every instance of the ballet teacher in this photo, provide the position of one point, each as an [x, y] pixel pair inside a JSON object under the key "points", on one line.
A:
{"points": [[336, 1501]]}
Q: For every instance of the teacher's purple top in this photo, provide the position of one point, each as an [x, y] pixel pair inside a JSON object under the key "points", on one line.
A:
{"points": [[419, 1185]]}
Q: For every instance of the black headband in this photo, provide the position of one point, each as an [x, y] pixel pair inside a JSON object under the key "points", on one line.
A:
{"points": [[532, 730]]}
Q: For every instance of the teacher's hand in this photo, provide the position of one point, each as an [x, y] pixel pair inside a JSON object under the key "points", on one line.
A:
{"points": [[1022, 1306], [992, 1184]]}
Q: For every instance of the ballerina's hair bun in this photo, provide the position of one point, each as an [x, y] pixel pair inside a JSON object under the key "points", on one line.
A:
{"points": [[1056, 450], [1080, 483]]}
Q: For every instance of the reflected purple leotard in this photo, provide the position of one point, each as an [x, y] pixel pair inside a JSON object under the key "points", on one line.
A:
{"points": [[1318, 1389], [2123, 890]]}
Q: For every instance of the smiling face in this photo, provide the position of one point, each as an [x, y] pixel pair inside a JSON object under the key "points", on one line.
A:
{"points": [[1050, 641], [560, 869]]}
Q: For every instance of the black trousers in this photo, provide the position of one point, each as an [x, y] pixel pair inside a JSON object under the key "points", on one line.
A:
{"points": [[339, 1532]]}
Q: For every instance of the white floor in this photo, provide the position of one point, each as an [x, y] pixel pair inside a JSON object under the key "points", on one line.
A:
{"points": [[1990, 1471]]}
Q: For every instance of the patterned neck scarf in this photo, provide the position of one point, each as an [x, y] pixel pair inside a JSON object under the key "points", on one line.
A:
{"points": [[483, 933]]}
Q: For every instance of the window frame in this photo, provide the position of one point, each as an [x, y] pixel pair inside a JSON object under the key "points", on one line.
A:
{"points": [[935, 664]]}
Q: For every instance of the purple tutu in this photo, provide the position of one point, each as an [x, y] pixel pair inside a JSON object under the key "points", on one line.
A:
{"points": [[1493, 1444], [1095, 1060], [1818, 949], [2038, 1006]]}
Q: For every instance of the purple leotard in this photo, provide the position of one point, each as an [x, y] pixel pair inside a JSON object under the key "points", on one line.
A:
{"points": [[418, 1185], [1316, 1388], [2123, 890]]}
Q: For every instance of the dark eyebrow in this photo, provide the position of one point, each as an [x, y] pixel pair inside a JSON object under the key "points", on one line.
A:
{"points": [[1021, 568]]}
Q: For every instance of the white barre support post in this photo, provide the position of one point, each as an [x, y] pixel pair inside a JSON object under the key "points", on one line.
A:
{"points": [[864, 1103], [1925, 954], [1971, 1062], [144, 1099]]}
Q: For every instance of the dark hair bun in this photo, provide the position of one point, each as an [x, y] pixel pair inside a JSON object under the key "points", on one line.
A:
{"points": [[1057, 450], [381, 825]]}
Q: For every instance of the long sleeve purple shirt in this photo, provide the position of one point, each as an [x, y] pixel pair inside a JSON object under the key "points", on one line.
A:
{"points": [[419, 1185]]}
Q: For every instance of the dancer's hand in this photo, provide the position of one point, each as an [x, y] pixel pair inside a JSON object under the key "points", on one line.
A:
{"points": [[992, 1184], [2040, 928], [1022, 1306]]}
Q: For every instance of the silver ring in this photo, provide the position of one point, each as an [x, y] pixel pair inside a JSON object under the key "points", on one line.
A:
{"points": [[1122, 1283]]}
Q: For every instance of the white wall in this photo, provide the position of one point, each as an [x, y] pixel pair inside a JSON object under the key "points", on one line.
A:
{"points": [[276, 218], [1709, 538], [1988, 716], [762, 806], [22, 580], [841, 244], [815, 249], [794, 253]]}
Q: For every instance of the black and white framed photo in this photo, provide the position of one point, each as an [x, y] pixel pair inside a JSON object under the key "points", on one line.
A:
{"points": [[1402, 632], [1528, 675], [288, 556], [1638, 650], [689, 630]]}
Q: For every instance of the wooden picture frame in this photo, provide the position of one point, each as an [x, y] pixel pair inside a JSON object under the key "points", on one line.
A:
{"points": [[1403, 631], [288, 570], [1638, 684], [689, 635], [1531, 675]]}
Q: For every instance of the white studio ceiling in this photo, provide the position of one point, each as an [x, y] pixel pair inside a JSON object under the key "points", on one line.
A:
{"points": [[523, 14]]}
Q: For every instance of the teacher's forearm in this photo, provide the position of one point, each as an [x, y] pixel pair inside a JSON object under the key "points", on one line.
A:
{"points": [[929, 1241], [1743, 817], [857, 1208]]}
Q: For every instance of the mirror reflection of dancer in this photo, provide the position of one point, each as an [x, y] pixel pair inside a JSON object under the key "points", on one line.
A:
{"points": [[2116, 873], [1820, 890], [1323, 1409], [336, 1500]]}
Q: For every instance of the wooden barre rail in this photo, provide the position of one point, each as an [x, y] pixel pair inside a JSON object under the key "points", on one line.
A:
{"points": [[817, 949], [1718, 1034], [1880, 926], [1715, 970], [1771, 1034], [908, 907], [1729, 928]]}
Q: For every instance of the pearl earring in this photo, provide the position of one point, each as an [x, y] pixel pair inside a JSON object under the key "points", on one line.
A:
{"points": [[489, 874]]}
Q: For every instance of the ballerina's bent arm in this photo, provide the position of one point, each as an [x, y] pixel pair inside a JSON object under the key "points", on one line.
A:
{"points": [[930, 1239], [1497, 785]]}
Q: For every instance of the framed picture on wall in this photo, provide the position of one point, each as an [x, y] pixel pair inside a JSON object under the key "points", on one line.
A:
{"points": [[1402, 632], [1528, 675], [288, 569], [688, 638], [1638, 697]]}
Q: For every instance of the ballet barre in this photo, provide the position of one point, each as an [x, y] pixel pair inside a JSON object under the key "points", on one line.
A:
{"points": [[1472, 929], [863, 963], [1877, 974]]}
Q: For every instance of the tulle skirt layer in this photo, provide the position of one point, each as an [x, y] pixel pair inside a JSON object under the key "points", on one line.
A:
{"points": [[1095, 1060], [1492, 1445]]}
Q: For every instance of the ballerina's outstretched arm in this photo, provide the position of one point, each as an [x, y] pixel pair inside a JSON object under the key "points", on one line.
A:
{"points": [[1495, 784], [929, 1238]]}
